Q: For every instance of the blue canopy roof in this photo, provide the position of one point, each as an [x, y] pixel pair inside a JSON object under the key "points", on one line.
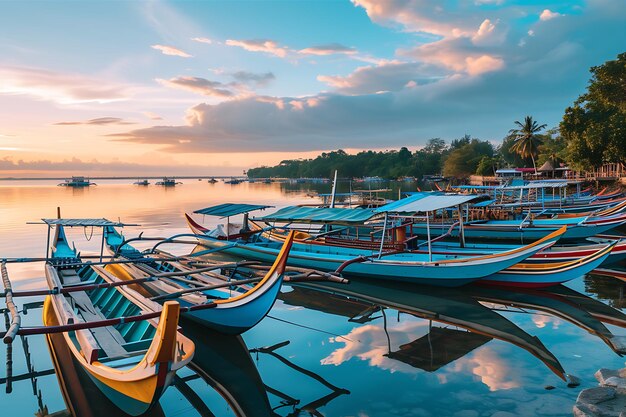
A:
{"points": [[230, 209], [425, 202], [319, 215], [84, 222], [484, 203]]}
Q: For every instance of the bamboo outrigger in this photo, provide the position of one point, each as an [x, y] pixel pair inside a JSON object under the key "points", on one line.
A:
{"points": [[195, 282]]}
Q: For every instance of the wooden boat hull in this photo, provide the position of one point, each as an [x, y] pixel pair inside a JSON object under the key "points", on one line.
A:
{"points": [[512, 230], [147, 391], [554, 253], [233, 315], [549, 274]]}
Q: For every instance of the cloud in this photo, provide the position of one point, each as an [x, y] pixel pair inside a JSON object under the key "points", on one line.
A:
{"points": [[428, 16], [202, 40], [152, 116], [548, 15], [199, 86], [258, 79], [388, 76], [170, 50], [457, 54], [260, 45], [489, 34], [328, 49], [410, 99], [62, 88], [101, 121], [10, 166]]}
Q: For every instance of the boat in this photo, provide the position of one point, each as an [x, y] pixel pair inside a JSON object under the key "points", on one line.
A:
{"points": [[142, 182], [233, 181], [211, 180], [442, 270], [77, 182], [578, 228], [168, 182], [80, 394], [561, 252], [235, 311], [131, 361]]}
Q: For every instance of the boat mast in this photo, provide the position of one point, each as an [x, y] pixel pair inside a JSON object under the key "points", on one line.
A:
{"points": [[334, 191]]}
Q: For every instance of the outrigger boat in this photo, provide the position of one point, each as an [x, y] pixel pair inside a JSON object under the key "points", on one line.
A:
{"points": [[168, 182], [142, 182], [77, 182], [441, 270], [236, 310], [551, 266], [131, 361]]}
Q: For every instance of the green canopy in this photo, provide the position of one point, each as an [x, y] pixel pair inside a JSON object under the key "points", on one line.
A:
{"points": [[298, 214]]}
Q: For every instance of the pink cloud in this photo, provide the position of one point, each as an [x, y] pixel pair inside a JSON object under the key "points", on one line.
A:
{"points": [[548, 15], [328, 49], [482, 64], [202, 40], [199, 86], [260, 45], [170, 50], [63, 88]]}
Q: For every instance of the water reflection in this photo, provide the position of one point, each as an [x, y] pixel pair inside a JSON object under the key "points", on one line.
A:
{"points": [[397, 349], [472, 311]]}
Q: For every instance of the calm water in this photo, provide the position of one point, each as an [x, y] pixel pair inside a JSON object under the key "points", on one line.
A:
{"points": [[357, 350]]}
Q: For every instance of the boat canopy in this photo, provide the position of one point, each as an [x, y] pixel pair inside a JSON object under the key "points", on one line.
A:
{"points": [[319, 215], [230, 209], [426, 202], [484, 203], [84, 223]]}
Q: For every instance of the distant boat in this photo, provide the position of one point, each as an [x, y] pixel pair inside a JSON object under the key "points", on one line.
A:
{"points": [[142, 182], [168, 182], [212, 181], [77, 182], [232, 181]]}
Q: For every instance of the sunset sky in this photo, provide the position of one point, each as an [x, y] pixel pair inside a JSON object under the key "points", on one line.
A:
{"points": [[215, 87]]}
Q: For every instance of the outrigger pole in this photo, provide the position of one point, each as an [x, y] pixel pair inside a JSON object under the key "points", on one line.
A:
{"points": [[70, 327], [16, 320]]}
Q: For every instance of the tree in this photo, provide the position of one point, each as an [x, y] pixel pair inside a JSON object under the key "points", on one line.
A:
{"points": [[595, 126], [527, 138], [464, 161]]}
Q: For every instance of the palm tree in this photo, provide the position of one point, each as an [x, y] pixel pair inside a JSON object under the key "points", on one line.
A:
{"points": [[527, 140]]}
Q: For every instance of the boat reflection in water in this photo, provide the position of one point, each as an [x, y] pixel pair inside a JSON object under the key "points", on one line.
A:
{"points": [[469, 315], [608, 284]]}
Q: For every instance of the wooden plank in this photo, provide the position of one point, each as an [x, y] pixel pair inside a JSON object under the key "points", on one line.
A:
{"points": [[108, 338]]}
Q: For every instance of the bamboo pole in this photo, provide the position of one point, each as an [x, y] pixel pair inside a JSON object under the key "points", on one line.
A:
{"points": [[16, 320], [28, 331], [78, 288]]}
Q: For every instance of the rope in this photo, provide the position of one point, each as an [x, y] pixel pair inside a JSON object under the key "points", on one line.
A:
{"points": [[85, 232]]}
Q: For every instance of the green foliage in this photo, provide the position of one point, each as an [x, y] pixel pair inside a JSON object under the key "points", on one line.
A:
{"points": [[464, 161], [594, 128], [487, 166], [527, 139], [387, 164]]}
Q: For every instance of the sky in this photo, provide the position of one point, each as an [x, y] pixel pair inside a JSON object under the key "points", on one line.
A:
{"points": [[217, 87]]}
